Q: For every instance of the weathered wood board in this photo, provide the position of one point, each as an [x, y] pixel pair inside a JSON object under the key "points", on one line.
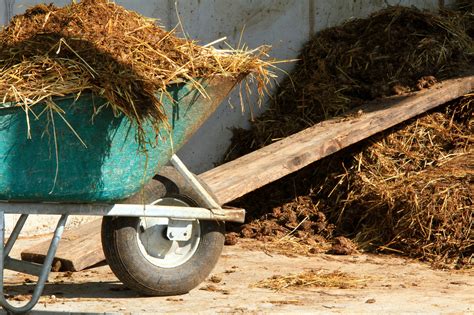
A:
{"points": [[241, 176], [79, 249]]}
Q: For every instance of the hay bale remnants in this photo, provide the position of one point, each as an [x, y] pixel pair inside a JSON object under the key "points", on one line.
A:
{"points": [[98, 46], [407, 190], [411, 190], [311, 279]]}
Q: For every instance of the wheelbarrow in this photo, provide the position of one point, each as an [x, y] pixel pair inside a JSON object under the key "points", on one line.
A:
{"points": [[162, 230]]}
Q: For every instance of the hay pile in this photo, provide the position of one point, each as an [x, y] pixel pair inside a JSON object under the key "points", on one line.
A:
{"points": [[411, 190], [407, 190], [98, 46]]}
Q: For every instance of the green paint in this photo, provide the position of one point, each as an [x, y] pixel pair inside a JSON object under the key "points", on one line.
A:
{"points": [[111, 168]]}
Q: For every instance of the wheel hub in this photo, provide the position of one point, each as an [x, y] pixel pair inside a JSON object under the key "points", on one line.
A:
{"points": [[168, 243]]}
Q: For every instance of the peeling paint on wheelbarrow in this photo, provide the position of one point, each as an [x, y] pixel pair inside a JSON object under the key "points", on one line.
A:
{"points": [[113, 166]]}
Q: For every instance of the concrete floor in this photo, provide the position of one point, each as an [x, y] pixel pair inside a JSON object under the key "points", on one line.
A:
{"points": [[387, 285]]}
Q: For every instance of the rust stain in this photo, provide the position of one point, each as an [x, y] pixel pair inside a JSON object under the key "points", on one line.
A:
{"points": [[311, 19], [261, 14], [9, 4], [171, 19]]}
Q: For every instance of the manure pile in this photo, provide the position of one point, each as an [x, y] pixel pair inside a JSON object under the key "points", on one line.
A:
{"points": [[98, 46], [408, 190]]}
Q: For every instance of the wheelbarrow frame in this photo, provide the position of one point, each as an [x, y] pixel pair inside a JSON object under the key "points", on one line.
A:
{"points": [[213, 212]]}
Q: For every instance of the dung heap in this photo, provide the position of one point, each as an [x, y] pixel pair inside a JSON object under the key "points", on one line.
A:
{"points": [[98, 46], [408, 190]]}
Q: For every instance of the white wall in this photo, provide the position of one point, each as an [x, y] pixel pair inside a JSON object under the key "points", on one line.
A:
{"points": [[284, 24]]}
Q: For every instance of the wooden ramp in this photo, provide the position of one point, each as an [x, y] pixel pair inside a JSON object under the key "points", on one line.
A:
{"points": [[252, 171]]}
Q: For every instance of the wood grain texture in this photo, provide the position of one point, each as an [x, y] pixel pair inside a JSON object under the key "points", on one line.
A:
{"points": [[252, 171], [81, 247], [78, 249]]}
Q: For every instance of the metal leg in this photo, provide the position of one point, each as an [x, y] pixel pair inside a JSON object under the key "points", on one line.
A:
{"points": [[44, 271], [13, 237]]}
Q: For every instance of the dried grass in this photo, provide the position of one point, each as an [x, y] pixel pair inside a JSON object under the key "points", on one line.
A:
{"points": [[290, 246], [295, 227], [310, 279], [411, 190], [407, 190], [98, 46], [344, 67]]}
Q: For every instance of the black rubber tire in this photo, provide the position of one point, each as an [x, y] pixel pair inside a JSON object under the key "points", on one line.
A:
{"points": [[119, 242]]}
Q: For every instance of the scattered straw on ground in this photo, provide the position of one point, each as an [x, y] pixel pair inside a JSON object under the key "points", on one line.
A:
{"points": [[286, 302], [310, 279], [98, 46], [290, 246]]}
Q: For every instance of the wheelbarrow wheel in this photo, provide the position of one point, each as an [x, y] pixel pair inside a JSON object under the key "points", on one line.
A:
{"points": [[142, 255]]}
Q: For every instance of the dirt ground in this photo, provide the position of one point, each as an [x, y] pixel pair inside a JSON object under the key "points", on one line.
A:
{"points": [[386, 284]]}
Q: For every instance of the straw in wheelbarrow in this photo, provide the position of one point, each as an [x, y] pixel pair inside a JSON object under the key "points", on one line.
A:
{"points": [[98, 46]]}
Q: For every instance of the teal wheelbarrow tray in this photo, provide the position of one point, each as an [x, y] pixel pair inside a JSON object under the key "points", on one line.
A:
{"points": [[162, 231]]}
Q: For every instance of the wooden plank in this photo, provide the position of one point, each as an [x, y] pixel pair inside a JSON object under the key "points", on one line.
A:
{"points": [[81, 247], [78, 249], [266, 165]]}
